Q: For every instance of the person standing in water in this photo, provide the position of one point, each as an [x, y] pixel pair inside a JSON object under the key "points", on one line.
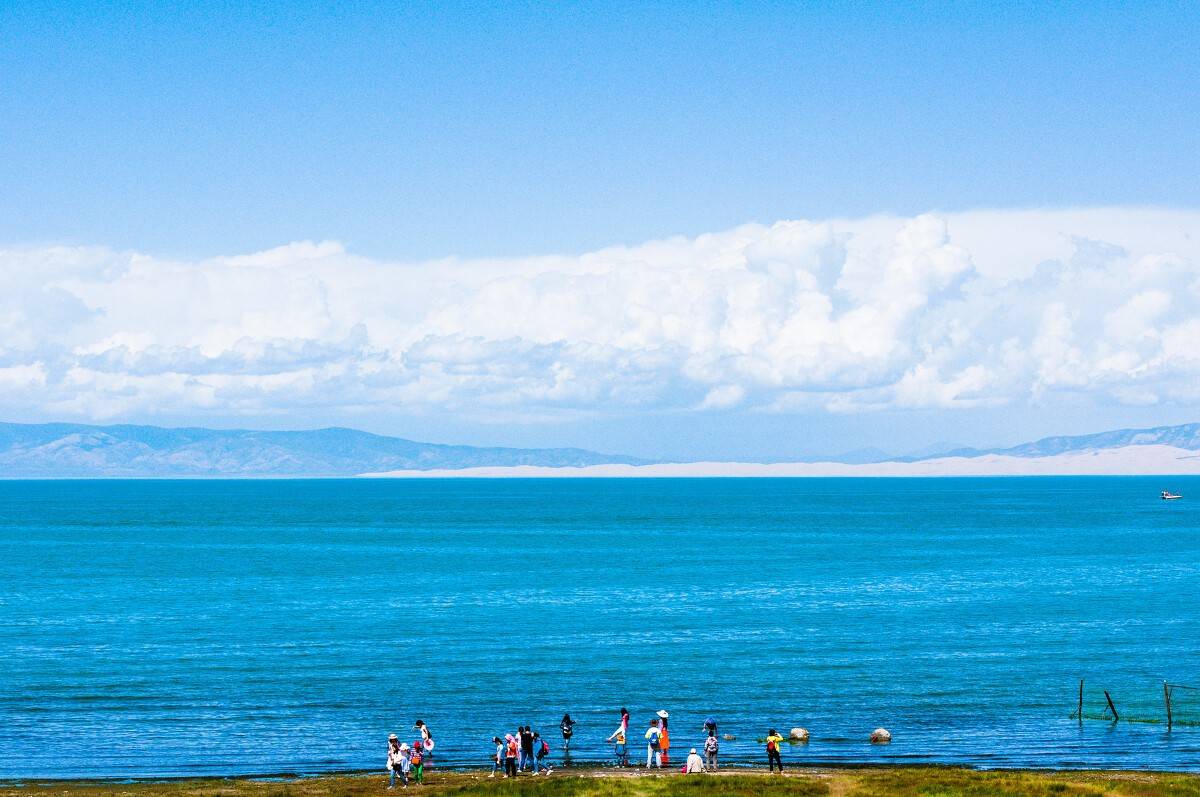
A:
{"points": [[426, 739], [567, 726], [664, 738], [773, 742], [710, 726]]}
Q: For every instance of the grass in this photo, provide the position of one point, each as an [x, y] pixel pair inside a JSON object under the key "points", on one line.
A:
{"points": [[849, 782]]}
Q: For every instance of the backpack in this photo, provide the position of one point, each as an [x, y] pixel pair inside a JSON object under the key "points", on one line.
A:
{"points": [[545, 749], [654, 740], [771, 745], [710, 745]]}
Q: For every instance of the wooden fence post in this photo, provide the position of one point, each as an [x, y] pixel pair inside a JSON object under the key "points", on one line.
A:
{"points": [[1111, 707], [1167, 700]]}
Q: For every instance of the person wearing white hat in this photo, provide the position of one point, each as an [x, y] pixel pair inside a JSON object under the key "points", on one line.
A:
{"points": [[664, 737], [694, 763], [396, 761]]}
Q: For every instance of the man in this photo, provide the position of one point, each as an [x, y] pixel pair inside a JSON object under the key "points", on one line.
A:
{"points": [[527, 749], [653, 747]]}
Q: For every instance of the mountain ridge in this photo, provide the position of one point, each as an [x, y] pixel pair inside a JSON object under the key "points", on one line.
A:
{"points": [[68, 450], [64, 450]]}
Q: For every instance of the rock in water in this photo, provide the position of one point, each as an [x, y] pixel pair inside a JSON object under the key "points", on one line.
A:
{"points": [[798, 735], [880, 736], [729, 737]]}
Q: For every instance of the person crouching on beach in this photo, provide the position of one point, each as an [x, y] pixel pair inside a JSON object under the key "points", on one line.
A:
{"points": [[395, 762], [510, 756], [773, 742], [711, 746], [418, 761], [653, 746], [694, 764]]}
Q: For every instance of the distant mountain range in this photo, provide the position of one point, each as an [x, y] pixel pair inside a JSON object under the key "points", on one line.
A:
{"points": [[60, 450], [1186, 436]]}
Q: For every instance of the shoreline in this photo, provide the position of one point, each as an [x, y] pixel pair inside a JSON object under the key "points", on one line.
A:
{"points": [[851, 780]]}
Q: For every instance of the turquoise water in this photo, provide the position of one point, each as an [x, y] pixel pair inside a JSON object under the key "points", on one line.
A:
{"points": [[182, 628]]}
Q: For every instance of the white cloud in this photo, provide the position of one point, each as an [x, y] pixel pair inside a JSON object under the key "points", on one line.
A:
{"points": [[958, 310]]}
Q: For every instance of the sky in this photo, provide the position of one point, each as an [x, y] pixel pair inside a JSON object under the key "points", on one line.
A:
{"points": [[749, 230]]}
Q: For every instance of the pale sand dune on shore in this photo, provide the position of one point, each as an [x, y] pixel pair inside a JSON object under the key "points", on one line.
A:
{"points": [[1150, 460]]}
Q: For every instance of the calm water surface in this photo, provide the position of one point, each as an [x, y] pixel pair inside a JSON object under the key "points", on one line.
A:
{"points": [[186, 628]]}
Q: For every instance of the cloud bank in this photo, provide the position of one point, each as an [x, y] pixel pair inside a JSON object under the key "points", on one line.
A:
{"points": [[945, 311]]}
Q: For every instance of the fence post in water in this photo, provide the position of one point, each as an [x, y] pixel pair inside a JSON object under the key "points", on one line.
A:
{"points": [[1167, 700], [1079, 712], [1111, 707]]}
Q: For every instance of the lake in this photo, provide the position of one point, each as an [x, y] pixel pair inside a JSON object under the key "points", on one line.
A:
{"points": [[164, 628]]}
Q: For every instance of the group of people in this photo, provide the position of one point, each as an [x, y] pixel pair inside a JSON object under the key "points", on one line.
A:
{"points": [[658, 744], [403, 760], [526, 750]]}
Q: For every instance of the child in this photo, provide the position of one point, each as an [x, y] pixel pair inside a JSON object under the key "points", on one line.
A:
{"points": [[418, 761], [711, 746]]}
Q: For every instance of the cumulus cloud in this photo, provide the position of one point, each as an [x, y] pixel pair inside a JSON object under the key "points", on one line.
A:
{"points": [[936, 311]]}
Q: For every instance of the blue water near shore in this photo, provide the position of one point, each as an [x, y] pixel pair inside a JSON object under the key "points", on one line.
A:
{"points": [[186, 628]]}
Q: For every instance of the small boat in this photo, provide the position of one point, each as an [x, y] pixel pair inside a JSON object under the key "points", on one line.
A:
{"points": [[1167, 495]]}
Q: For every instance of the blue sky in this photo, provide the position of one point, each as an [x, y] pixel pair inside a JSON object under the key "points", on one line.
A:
{"points": [[428, 130], [148, 146]]}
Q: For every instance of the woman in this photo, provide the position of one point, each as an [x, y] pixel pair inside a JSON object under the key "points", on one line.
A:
{"points": [[618, 736], [664, 738], [395, 762], [711, 747], [568, 727], [773, 742], [426, 740], [498, 758], [694, 764], [510, 756]]}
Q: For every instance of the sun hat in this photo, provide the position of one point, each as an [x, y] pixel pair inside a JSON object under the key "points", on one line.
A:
{"points": [[693, 749], [404, 745], [392, 736], [663, 714]]}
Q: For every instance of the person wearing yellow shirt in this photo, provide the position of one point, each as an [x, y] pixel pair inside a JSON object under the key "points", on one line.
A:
{"points": [[773, 742]]}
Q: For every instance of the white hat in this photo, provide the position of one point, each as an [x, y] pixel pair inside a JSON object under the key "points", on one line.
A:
{"points": [[693, 749], [404, 745], [663, 714], [392, 736]]}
